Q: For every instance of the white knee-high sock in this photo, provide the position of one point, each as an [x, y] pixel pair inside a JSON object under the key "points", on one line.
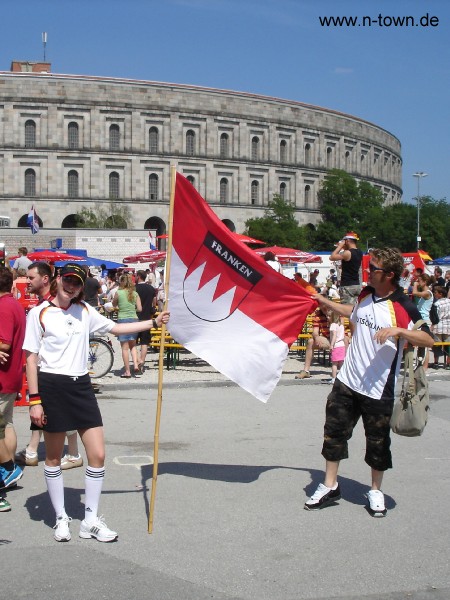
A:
{"points": [[94, 483], [55, 486]]}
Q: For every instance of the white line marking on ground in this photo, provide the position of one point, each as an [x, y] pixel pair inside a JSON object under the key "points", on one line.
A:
{"points": [[133, 461]]}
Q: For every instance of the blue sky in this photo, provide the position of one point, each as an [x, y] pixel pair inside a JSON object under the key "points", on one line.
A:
{"points": [[395, 77]]}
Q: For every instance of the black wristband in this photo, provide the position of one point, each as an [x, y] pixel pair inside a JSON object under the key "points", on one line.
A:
{"points": [[155, 324]]}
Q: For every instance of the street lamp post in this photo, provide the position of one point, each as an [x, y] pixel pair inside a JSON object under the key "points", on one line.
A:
{"points": [[369, 240], [419, 176]]}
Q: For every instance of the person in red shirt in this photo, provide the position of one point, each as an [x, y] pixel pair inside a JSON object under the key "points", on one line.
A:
{"points": [[12, 332]]}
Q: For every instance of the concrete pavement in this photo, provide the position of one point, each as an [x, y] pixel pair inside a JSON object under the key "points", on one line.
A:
{"points": [[229, 520]]}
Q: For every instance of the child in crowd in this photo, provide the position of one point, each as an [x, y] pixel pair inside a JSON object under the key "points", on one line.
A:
{"points": [[337, 343]]}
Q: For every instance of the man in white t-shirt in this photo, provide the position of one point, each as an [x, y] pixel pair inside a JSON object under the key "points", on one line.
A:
{"points": [[22, 261], [383, 317]]}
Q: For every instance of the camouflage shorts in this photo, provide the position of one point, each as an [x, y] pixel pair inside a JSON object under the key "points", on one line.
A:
{"points": [[349, 293], [344, 408]]}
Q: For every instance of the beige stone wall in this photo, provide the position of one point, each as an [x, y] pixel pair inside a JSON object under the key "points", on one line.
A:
{"points": [[314, 140]]}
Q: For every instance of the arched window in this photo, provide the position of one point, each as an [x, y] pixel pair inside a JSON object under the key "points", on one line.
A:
{"points": [[30, 182], [307, 195], [153, 186], [307, 155], [30, 134], [153, 140], [114, 185], [223, 190], [114, 137], [283, 190], [224, 146], [72, 135], [72, 184], [116, 222], [347, 160], [72, 221], [255, 192], [329, 157], [190, 142], [191, 179], [283, 151], [255, 148]]}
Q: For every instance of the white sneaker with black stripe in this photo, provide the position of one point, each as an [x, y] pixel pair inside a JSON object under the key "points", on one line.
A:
{"points": [[376, 503], [97, 529], [62, 532]]}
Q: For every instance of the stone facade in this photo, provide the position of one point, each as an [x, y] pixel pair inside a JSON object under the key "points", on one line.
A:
{"points": [[68, 142]]}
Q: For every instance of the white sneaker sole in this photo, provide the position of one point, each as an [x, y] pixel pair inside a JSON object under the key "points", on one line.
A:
{"points": [[61, 539], [86, 536]]}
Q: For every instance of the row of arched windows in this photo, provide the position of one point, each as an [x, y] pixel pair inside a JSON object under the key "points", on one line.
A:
{"points": [[73, 141], [73, 190], [73, 184], [255, 192]]}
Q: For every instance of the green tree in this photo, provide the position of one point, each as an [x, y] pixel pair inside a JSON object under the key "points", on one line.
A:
{"points": [[399, 226], [346, 204], [434, 224], [279, 226], [111, 216]]}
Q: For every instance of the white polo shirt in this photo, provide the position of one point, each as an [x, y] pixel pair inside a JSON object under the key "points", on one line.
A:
{"points": [[371, 368], [60, 337]]}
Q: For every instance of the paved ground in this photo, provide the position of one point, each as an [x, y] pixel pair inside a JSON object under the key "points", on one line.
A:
{"points": [[229, 520], [191, 370]]}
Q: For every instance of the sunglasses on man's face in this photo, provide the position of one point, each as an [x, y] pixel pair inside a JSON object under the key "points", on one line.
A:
{"points": [[373, 268]]}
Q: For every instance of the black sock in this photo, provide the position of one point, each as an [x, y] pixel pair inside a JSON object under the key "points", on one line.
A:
{"points": [[9, 465]]}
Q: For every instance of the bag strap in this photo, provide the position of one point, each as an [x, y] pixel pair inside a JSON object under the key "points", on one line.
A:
{"points": [[418, 324], [408, 377], [409, 380]]}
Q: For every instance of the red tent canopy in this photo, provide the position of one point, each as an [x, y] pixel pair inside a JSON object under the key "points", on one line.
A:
{"points": [[52, 256], [151, 256], [285, 255], [247, 239]]}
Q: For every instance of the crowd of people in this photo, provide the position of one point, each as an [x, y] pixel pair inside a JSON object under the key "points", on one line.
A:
{"points": [[428, 292]]}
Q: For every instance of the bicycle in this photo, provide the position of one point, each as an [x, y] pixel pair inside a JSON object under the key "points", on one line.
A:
{"points": [[100, 357]]}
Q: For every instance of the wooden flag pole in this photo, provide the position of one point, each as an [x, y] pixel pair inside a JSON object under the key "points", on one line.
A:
{"points": [[173, 177]]}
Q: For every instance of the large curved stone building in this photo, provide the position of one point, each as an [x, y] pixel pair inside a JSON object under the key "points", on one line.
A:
{"points": [[69, 142]]}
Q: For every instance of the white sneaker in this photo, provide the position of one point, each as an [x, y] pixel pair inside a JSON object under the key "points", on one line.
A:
{"points": [[376, 503], [71, 462], [323, 496], [62, 532], [97, 529]]}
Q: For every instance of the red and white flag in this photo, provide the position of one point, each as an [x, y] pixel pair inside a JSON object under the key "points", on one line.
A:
{"points": [[227, 305]]}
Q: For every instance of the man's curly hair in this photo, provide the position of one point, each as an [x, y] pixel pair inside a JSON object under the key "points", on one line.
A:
{"points": [[391, 260]]}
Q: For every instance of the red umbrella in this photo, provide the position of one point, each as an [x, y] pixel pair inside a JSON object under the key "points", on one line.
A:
{"points": [[247, 239], [285, 255], [145, 257], [51, 256]]}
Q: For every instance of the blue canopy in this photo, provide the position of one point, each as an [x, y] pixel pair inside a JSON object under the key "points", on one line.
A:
{"points": [[444, 260], [90, 261], [86, 260]]}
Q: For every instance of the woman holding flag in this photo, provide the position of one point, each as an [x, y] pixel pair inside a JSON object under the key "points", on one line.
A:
{"points": [[61, 394]]}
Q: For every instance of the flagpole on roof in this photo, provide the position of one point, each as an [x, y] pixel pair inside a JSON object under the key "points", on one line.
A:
{"points": [[173, 177]]}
